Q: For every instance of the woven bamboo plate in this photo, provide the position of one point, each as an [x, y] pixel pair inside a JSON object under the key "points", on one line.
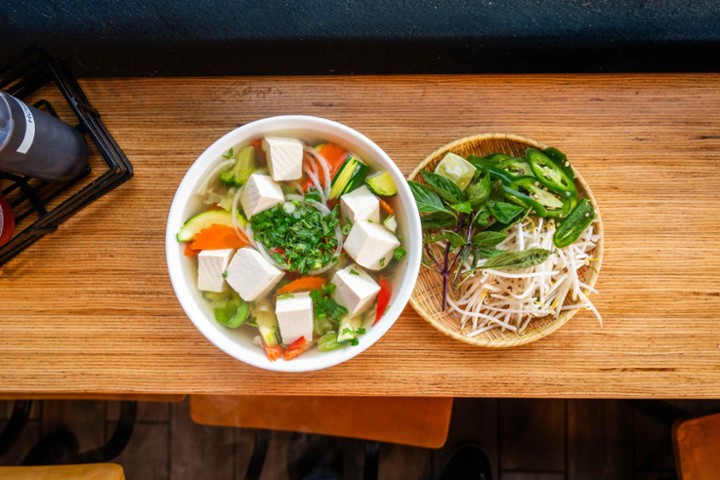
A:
{"points": [[427, 296]]}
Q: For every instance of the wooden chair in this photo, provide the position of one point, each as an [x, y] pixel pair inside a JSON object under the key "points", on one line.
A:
{"points": [[104, 453], [415, 421], [96, 471], [696, 442]]}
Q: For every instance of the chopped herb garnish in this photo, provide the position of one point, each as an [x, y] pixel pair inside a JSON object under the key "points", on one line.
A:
{"points": [[399, 253], [354, 272], [225, 274], [328, 312], [346, 229], [361, 331], [301, 241], [382, 262], [313, 194], [284, 296], [229, 154], [354, 342]]}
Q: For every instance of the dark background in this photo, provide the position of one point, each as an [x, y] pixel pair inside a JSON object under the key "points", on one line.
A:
{"points": [[224, 37]]}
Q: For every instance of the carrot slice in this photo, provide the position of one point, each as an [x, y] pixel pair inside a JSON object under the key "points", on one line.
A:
{"points": [[259, 152], [217, 237], [296, 348], [334, 154], [274, 352], [303, 283], [189, 251], [386, 206]]}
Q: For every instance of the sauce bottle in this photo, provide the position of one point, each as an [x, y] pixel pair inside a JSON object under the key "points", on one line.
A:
{"points": [[38, 145]]}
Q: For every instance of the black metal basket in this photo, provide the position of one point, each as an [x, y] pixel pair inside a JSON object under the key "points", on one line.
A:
{"points": [[40, 207]]}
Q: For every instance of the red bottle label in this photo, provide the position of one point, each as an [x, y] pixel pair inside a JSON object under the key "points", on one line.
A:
{"points": [[7, 222]]}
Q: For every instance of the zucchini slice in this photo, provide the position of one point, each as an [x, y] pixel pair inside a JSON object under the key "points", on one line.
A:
{"points": [[205, 219], [382, 184], [350, 176]]}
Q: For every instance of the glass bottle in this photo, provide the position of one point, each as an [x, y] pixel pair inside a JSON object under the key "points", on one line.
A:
{"points": [[38, 145]]}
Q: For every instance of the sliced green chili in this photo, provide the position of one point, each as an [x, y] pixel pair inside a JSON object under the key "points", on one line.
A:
{"points": [[524, 201], [556, 206], [516, 166], [549, 173], [561, 160]]}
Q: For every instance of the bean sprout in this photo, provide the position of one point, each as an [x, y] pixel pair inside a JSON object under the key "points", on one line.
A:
{"points": [[494, 299]]}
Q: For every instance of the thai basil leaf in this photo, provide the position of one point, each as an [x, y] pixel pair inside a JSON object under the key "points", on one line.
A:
{"points": [[505, 212], [464, 207], [427, 201], [444, 187], [517, 260], [506, 228], [479, 191], [486, 252], [487, 161], [574, 225], [482, 217], [437, 220], [455, 240], [488, 239]]}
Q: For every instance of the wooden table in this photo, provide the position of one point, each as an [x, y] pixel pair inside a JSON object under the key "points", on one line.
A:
{"points": [[90, 308]]}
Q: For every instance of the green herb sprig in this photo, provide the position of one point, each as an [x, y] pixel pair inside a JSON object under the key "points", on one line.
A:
{"points": [[471, 224]]}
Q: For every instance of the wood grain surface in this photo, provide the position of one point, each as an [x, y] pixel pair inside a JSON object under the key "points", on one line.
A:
{"points": [[90, 308]]}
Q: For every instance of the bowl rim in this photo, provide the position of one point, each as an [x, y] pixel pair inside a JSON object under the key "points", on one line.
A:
{"points": [[480, 340], [208, 158]]}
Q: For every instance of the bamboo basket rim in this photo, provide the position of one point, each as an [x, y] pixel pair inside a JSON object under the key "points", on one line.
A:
{"points": [[507, 338]]}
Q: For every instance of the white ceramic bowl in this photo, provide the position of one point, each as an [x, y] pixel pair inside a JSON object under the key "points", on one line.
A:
{"points": [[238, 343]]}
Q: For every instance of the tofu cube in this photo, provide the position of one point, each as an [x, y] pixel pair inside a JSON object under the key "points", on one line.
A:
{"points": [[284, 157], [354, 289], [294, 313], [371, 245], [360, 204], [211, 265], [259, 194], [250, 275]]}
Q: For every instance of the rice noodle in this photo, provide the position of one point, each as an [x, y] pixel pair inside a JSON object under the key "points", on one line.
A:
{"points": [[324, 165], [494, 299], [310, 169], [234, 213]]}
